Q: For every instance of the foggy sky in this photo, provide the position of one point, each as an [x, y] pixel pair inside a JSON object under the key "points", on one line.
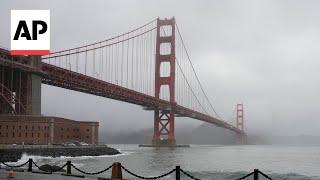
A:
{"points": [[260, 53]]}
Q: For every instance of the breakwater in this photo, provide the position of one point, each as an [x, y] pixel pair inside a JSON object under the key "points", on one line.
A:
{"points": [[14, 153]]}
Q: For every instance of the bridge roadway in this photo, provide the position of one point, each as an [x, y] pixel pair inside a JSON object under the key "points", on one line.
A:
{"points": [[67, 79], [60, 77]]}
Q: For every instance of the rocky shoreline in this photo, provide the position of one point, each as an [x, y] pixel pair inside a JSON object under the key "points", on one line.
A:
{"points": [[14, 153]]}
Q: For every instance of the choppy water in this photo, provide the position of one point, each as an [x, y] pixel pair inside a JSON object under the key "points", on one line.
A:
{"points": [[207, 162]]}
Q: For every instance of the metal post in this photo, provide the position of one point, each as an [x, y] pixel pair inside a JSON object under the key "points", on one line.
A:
{"points": [[256, 174], [177, 172], [116, 171], [68, 167], [30, 165]]}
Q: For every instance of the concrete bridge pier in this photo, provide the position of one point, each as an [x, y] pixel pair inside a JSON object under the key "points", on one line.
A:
{"points": [[34, 89], [241, 139]]}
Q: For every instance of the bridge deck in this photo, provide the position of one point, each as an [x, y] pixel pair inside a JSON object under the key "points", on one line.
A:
{"points": [[60, 77], [67, 79]]}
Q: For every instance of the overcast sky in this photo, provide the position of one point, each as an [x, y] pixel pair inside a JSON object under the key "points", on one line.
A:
{"points": [[260, 53]]}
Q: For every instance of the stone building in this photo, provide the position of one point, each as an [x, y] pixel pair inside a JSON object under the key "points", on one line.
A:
{"points": [[29, 129]]}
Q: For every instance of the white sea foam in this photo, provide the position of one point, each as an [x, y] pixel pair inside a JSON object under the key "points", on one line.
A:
{"points": [[25, 157]]}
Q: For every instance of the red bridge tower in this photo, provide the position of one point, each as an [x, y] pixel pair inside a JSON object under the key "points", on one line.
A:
{"points": [[241, 138], [164, 116]]}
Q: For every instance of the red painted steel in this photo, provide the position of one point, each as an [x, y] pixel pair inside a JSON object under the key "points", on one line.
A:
{"points": [[63, 78], [55, 76], [20, 63], [165, 111], [239, 118], [67, 79], [15, 83], [241, 138], [10, 102], [164, 119]]}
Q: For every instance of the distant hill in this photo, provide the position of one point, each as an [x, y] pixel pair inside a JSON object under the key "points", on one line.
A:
{"points": [[206, 134], [135, 137], [293, 140], [210, 134], [300, 140], [203, 134]]}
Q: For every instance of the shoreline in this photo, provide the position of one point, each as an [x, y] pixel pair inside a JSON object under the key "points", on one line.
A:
{"points": [[14, 153]]}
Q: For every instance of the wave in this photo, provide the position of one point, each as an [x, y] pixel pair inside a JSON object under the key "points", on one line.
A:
{"points": [[205, 175], [61, 159]]}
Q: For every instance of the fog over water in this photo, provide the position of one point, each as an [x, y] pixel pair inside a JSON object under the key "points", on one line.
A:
{"points": [[263, 53]]}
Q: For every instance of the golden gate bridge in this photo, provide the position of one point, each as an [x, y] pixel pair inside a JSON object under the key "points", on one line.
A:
{"points": [[147, 66]]}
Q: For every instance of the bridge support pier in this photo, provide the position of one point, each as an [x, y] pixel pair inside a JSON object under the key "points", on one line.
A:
{"points": [[34, 89], [163, 128], [241, 139]]}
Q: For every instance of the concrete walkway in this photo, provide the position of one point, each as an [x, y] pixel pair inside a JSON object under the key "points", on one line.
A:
{"points": [[34, 176]]}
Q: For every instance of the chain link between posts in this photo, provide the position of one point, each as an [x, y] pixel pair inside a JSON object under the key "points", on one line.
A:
{"points": [[94, 173], [141, 177], [189, 175], [14, 166], [50, 171]]}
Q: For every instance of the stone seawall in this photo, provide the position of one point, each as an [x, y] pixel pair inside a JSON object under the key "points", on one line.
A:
{"points": [[14, 153]]}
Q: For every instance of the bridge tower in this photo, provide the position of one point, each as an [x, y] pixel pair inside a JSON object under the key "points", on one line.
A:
{"points": [[20, 84], [163, 133], [241, 138], [239, 117]]}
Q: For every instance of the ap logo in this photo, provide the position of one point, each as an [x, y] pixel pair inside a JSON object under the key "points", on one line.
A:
{"points": [[30, 32]]}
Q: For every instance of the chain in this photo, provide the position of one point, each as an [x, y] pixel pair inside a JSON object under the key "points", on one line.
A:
{"points": [[189, 175], [141, 177], [16, 166], [245, 176], [125, 169], [88, 173], [266, 176], [51, 168]]}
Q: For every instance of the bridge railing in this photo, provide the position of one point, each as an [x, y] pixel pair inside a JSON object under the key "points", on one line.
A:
{"points": [[116, 171]]}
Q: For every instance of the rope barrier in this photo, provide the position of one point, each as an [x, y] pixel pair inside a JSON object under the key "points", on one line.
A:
{"points": [[141, 177], [88, 173], [189, 175], [14, 166]]}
